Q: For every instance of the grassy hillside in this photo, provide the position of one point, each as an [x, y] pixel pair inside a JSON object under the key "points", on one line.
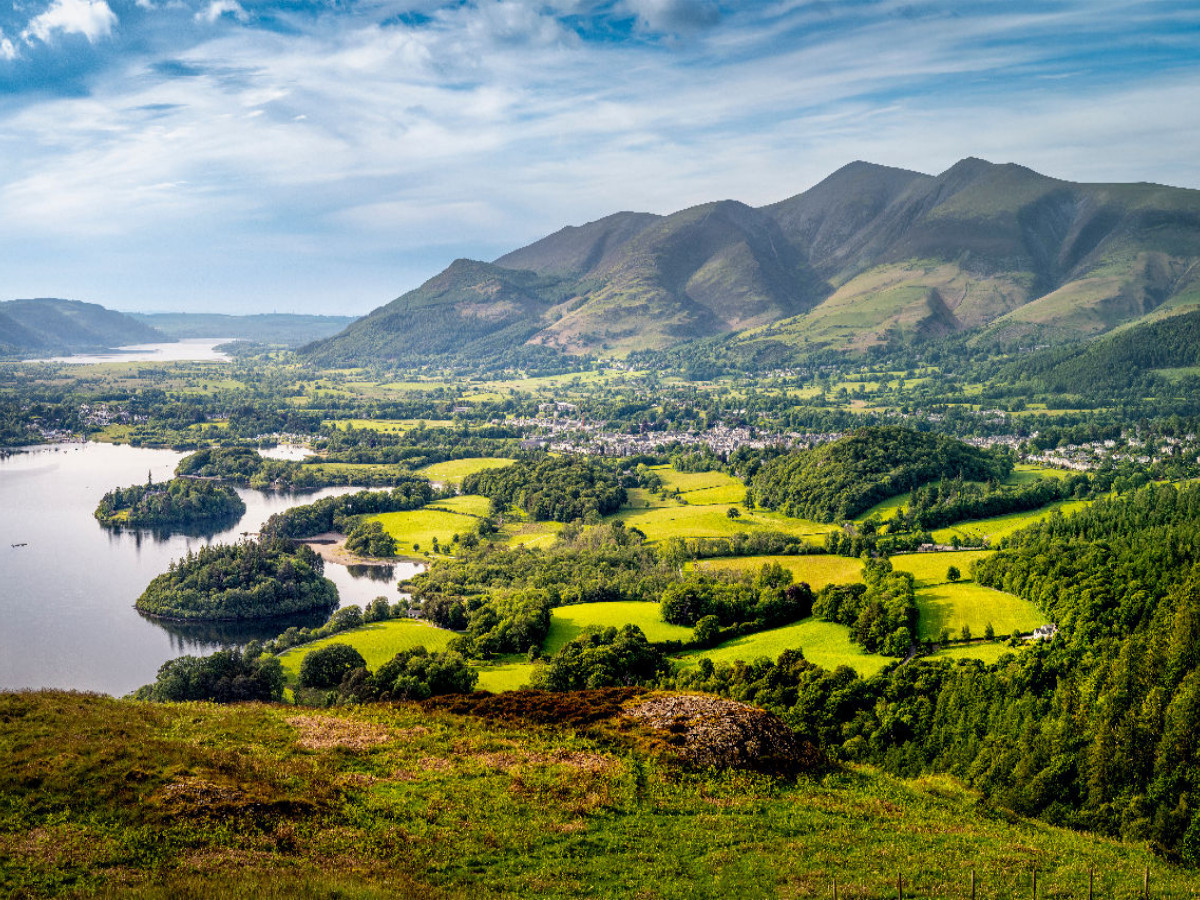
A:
{"points": [[116, 798]]}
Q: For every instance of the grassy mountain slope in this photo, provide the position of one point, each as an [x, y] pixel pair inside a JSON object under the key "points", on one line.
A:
{"points": [[135, 800], [871, 255], [49, 325]]}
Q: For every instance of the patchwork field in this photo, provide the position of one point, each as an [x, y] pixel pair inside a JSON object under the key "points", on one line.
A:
{"points": [[453, 471], [377, 642], [824, 643], [566, 622], [816, 570]]}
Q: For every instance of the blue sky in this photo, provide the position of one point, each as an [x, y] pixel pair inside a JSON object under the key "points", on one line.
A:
{"points": [[327, 155]]}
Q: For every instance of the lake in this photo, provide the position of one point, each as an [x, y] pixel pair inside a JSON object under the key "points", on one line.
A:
{"points": [[185, 350], [67, 585]]}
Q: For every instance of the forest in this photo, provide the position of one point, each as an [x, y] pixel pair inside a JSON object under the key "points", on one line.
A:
{"points": [[178, 502], [252, 579]]}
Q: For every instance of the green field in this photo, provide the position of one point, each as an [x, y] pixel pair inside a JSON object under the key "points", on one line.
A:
{"points": [[702, 487], [453, 471], [377, 642], [930, 568], [672, 519], [505, 674], [464, 504], [999, 527], [824, 643], [983, 651], [816, 570], [945, 605], [420, 526], [951, 606], [568, 621], [886, 509]]}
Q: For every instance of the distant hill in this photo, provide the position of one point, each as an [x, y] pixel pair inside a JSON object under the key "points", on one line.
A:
{"points": [[870, 256], [269, 328], [46, 326]]}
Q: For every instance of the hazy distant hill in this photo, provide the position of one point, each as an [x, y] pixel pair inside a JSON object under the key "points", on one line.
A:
{"points": [[870, 255], [46, 326], [269, 328]]}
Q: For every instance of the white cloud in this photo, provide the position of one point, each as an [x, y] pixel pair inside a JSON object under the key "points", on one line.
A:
{"points": [[8, 49], [91, 18], [218, 8]]}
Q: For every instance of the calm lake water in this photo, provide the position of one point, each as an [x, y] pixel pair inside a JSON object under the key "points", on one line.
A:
{"points": [[67, 585], [185, 350]]}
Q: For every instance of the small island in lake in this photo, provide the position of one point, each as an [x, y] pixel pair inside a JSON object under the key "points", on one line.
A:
{"points": [[236, 582], [176, 503]]}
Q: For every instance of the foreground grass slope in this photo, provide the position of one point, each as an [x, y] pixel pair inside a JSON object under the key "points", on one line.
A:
{"points": [[111, 798]]}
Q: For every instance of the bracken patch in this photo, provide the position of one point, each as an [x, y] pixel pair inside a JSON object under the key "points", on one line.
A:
{"points": [[325, 732]]}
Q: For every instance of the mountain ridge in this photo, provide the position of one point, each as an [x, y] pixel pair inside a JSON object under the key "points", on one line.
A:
{"points": [[47, 325], [871, 255]]}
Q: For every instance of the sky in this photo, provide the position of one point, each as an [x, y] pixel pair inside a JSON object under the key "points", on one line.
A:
{"points": [[325, 156]]}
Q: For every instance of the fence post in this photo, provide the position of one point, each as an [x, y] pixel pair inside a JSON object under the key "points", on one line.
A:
{"points": [[835, 892], [1091, 881], [1035, 884], [1146, 884], [900, 886], [972, 884]]}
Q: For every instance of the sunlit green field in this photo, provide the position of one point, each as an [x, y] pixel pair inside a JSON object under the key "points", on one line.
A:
{"points": [[816, 570], [365, 471], [377, 642], [951, 606], [824, 643], [678, 520], [466, 504], [420, 526], [985, 652], [505, 674], [930, 568], [567, 622], [453, 471], [999, 527], [886, 509], [946, 605]]}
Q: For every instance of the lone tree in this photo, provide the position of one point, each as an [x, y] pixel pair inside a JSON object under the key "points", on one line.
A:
{"points": [[952, 574], [733, 512]]}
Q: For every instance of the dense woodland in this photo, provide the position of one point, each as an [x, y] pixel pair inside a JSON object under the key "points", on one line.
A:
{"points": [[178, 502], [247, 580], [558, 489], [839, 480]]}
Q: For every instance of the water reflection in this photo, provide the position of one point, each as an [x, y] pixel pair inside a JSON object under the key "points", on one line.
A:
{"points": [[373, 573], [198, 638]]}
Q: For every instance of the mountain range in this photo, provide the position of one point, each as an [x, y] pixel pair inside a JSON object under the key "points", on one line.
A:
{"points": [[870, 256]]}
